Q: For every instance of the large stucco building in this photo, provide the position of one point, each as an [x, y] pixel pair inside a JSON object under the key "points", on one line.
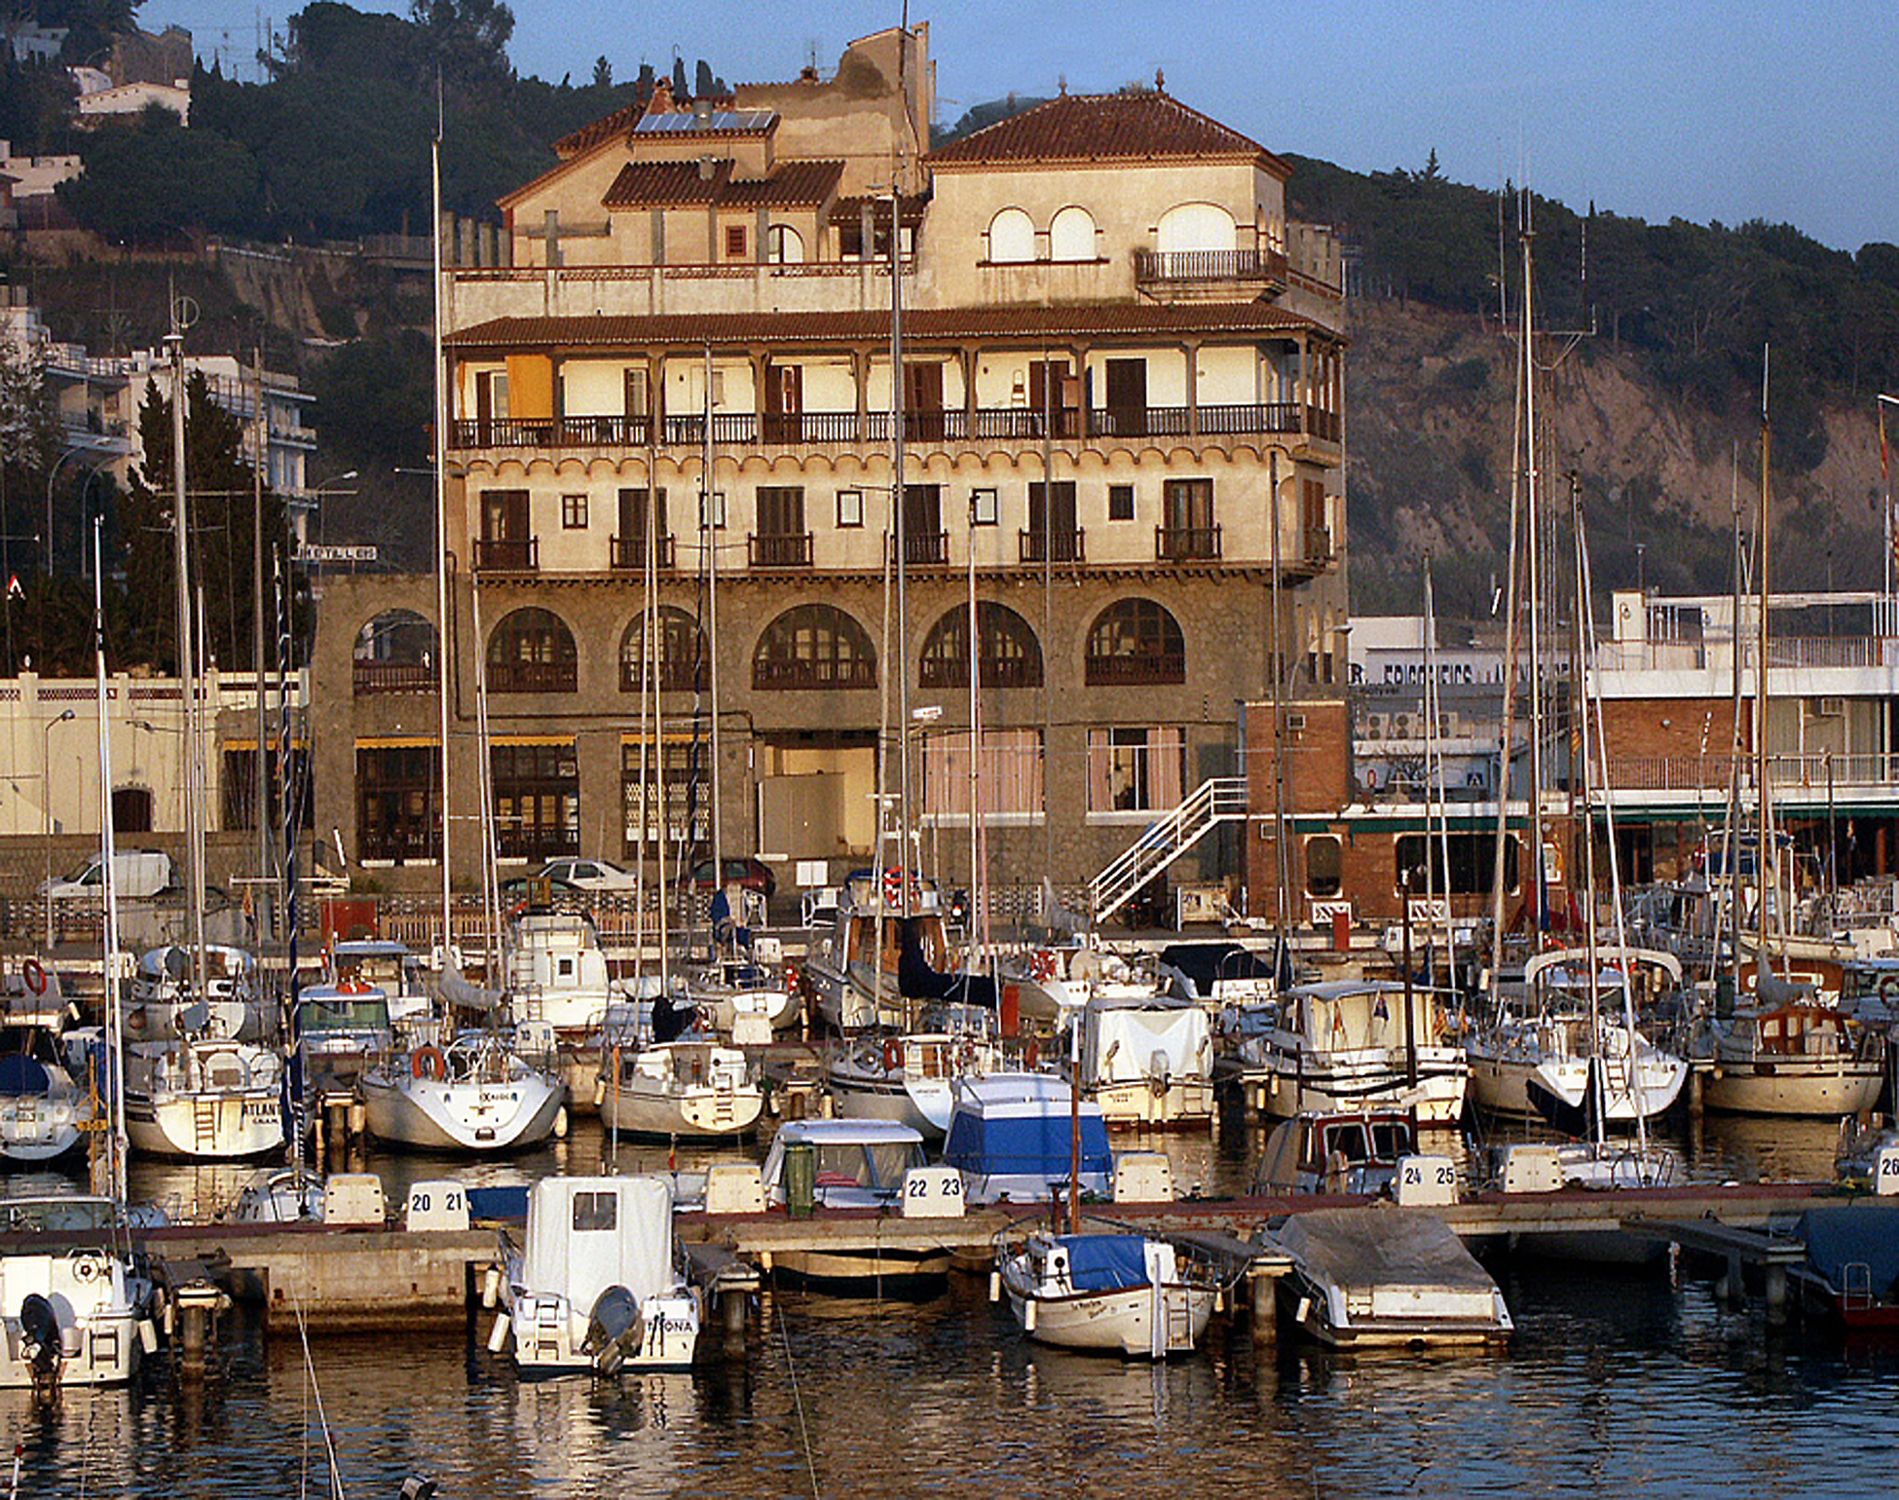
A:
{"points": [[1113, 341]]}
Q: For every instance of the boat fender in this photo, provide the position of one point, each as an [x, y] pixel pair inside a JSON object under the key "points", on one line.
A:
{"points": [[893, 1056], [35, 976], [491, 1288], [1032, 1055], [428, 1062], [498, 1335], [147, 1336], [1028, 1315], [995, 1286], [599, 1092], [560, 1123]]}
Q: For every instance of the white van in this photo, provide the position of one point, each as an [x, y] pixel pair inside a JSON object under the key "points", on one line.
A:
{"points": [[138, 873]]}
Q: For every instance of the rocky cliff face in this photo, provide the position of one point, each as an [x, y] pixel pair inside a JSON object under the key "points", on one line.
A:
{"points": [[1431, 405]]}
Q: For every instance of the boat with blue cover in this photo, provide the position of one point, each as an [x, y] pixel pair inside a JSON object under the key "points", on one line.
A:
{"points": [[1113, 1291]]}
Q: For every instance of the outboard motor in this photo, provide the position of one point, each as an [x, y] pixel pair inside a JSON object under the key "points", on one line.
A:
{"points": [[39, 1338], [615, 1329]]}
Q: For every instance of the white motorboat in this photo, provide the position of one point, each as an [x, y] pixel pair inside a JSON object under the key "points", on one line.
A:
{"points": [[598, 1283], [44, 1110], [203, 1097], [282, 1195], [79, 1317], [1122, 1293], [1351, 1152], [479, 1093], [729, 989], [1147, 1060], [1348, 1046], [557, 972], [1012, 1136], [911, 1078], [1795, 1059], [1053, 982], [850, 1164], [337, 1029], [684, 1090], [1386, 1276], [387, 966]]}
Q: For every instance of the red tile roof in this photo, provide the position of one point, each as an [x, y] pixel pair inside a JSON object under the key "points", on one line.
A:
{"points": [[922, 325], [845, 210], [1141, 126], [675, 184], [620, 122]]}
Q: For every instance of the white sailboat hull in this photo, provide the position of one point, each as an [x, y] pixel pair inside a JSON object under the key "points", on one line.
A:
{"points": [[921, 1103], [1796, 1086], [1650, 1090], [692, 1113], [1369, 1078], [205, 1126], [42, 1127], [428, 1114], [1119, 1322]]}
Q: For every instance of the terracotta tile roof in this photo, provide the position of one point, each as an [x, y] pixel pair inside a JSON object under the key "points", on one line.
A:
{"points": [[666, 184], [1142, 126], [846, 209], [922, 325], [676, 184], [620, 122]]}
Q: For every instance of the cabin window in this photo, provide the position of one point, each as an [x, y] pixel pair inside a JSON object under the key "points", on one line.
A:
{"points": [[596, 1211], [1325, 856]]}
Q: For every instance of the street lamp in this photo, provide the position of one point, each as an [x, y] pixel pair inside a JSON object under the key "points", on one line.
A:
{"points": [[46, 542], [46, 810]]}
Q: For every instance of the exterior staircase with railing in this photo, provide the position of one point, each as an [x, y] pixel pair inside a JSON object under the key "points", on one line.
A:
{"points": [[1217, 800]]}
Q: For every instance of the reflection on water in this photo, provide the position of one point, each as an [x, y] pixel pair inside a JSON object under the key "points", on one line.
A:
{"points": [[1614, 1385]]}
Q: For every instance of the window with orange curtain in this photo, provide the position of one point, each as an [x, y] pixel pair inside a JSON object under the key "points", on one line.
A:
{"points": [[1137, 769], [1008, 774]]}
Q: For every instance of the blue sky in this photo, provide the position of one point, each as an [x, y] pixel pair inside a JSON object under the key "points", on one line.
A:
{"points": [[1706, 109]]}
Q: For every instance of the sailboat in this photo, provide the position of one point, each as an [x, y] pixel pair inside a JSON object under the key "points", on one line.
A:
{"points": [[44, 1112], [487, 1088]]}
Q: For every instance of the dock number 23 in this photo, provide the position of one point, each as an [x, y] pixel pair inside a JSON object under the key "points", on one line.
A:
{"points": [[919, 1187]]}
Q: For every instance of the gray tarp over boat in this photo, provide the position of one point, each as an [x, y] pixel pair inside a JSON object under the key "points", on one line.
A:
{"points": [[1358, 1249], [457, 991]]}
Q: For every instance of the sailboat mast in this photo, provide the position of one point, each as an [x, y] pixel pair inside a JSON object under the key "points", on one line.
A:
{"points": [[1730, 918], [901, 534], [1598, 1075], [187, 656], [1767, 861], [109, 887], [441, 531], [712, 636], [1535, 560]]}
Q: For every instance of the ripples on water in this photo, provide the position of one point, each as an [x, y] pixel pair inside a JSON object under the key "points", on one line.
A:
{"points": [[1614, 1385]]}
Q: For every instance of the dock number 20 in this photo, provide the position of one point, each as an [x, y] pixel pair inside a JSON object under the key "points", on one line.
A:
{"points": [[451, 1202]]}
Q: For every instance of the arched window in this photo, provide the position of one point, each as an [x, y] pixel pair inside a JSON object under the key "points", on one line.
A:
{"points": [[1071, 235], [814, 646], [682, 665], [394, 653], [1196, 226], [1011, 237], [132, 806], [1011, 656], [532, 651], [1135, 641], [784, 246]]}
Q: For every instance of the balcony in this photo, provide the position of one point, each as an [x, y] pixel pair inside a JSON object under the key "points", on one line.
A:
{"points": [[1708, 775], [627, 554], [924, 548], [950, 672], [400, 844], [1322, 424], [727, 427], [675, 676], [790, 550], [1060, 546], [369, 679], [533, 843], [795, 428], [1137, 669], [551, 432], [1318, 545], [1165, 266], [799, 674], [533, 676], [1187, 543], [508, 554]]}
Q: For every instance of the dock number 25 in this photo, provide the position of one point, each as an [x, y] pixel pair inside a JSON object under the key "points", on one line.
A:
{"points": [[1443, 1174]]}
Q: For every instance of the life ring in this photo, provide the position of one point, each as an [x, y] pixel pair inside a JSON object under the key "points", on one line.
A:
{"points": [[893, 1056], [1032, 1055], [353, 987], [86, 1267], [893, 887], [1042, 966], [428, 1062], [34, 975], [1888, 985]]}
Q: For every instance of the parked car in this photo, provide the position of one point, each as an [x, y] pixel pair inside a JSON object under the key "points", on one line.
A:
{"points": [[137, 873], [748, 874], [590, 874], [522, 888]]}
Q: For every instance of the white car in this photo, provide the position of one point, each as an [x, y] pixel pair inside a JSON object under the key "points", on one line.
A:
{"points": [[591, 874]]}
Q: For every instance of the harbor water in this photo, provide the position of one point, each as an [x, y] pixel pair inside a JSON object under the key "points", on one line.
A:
{"points": [[1614, 1384]]}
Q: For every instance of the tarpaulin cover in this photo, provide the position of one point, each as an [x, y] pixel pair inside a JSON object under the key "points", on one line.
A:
{"points": [[1105, 1262], [20, 1074], [1838, 1237], [1120, 1042], [1033, 1145], [1382, 1245], [1204, 963]]}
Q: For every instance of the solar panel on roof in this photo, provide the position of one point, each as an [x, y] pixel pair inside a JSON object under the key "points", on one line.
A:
{"points": [[687, 123]]}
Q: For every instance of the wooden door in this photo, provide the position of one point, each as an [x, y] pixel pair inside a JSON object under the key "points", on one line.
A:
{"points": [[784, 403], [1127, 396], [923, 400]]}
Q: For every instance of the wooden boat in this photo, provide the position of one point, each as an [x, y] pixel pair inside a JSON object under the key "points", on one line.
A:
{"points": [[1796, 1059]]}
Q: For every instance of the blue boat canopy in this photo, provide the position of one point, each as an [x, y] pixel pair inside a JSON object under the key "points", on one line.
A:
{"points": [[1027, 1145], [1838, 1237], [1105, 1262]]}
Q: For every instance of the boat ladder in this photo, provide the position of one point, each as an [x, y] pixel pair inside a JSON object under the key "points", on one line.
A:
{"points": [[1616, 1079], [1856, 1286], [1173, 1330], [204, 1123], [721, 1103], [545, 1330]]}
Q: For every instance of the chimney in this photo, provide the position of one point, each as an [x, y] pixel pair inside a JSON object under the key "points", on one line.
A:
{"points": [[702, 112], [707, 166], [662, 101]]}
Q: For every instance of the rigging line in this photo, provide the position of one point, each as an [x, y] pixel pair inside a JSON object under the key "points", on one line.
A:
{"points": [[309, 1365], [797, 1397]]}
